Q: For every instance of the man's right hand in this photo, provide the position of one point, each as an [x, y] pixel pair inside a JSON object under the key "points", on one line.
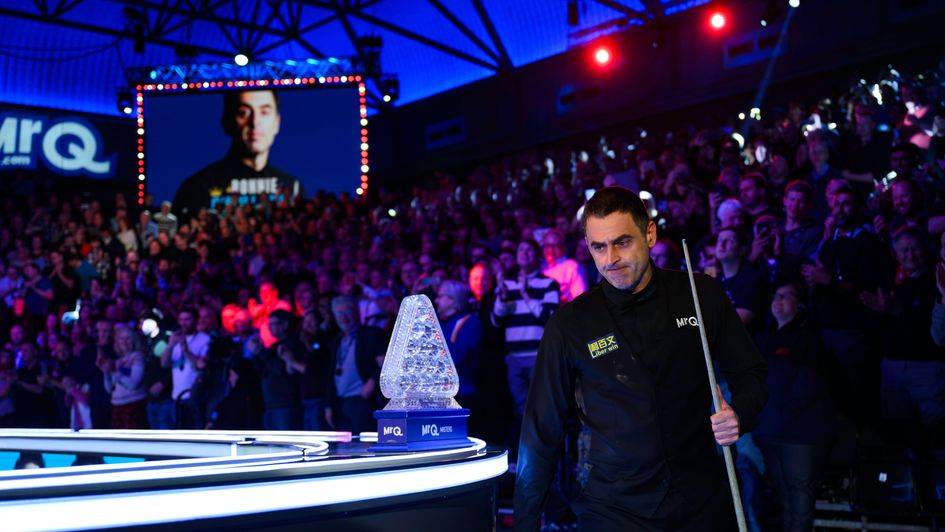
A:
{"points": [[715, 199], [879, 223]]}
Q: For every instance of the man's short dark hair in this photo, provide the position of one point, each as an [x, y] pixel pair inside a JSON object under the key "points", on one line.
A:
{"points": [[910, 149], [532, 243], [800, 186], [609, 200], [282, 315], [799, 292], [757, 178], [231, 104], [913, 186], [845, 188], [743, 239], [910, 231]]}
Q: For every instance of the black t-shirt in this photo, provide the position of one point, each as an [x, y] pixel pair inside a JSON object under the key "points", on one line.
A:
{"points": [[216, 184], [747, 289], [872, 157], [62, 294], [279, 388], [33, 410], [317, 370], [857, 262]]}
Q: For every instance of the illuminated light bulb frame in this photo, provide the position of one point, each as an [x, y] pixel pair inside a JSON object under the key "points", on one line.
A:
{"points": [[718, 20], [602, 56], [196, 86]]}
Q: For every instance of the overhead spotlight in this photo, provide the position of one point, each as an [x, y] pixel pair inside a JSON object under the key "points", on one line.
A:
{"points": [[602, 55], [125, 103], [241, 59], [794, 3], [137, 31], [137, 21], [574, 16], [717, 20], [390, 88], [370, 46]]}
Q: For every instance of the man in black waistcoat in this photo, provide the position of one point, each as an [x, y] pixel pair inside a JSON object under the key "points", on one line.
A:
{"points": [[628, 353]]}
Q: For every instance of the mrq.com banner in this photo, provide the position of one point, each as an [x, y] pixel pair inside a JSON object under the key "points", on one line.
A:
{"points": [[66, 143]]}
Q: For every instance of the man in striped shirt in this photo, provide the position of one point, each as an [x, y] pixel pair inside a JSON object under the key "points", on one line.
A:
{"points": [[523, 306]]}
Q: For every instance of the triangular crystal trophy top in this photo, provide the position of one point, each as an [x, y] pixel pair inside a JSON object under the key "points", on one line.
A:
{"points": [[418, 370]]}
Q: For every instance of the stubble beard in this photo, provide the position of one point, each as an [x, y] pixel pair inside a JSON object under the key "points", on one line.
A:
{"points": [[635, 281]]}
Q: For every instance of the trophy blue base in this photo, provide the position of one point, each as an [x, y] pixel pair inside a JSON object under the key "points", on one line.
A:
{"points": [[421, 430]]}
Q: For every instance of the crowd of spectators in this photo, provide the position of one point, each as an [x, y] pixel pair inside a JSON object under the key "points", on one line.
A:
{"points": [[823, 222]]}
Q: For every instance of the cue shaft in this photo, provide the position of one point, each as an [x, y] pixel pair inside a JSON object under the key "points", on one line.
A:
{"points": [[716, 403]]}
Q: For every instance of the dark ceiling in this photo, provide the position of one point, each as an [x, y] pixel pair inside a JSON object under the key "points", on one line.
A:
{"points": [[73, 54]]}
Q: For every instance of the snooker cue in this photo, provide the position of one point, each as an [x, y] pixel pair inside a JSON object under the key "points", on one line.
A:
{"points": [[726, 449]]}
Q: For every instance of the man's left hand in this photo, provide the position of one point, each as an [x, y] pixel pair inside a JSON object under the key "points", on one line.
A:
{"points": [[725, 424]]}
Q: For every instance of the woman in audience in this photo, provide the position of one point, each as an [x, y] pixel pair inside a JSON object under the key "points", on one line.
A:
{"points": [[124, 379]]}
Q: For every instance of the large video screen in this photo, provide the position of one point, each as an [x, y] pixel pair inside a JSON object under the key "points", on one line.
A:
{"points": [[211, 148]]}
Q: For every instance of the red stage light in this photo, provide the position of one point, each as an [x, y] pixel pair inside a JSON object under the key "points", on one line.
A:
{"points": [[717, 20], [602, 55]]}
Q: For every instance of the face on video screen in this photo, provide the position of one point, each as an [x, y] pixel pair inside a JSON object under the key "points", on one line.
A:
{"points": [[257, 121], [234, 146]]}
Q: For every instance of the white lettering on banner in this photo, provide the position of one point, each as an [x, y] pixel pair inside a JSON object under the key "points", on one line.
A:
{"points": [[430, 430], [82, 146], [28, 128], [82, 154], [254, 185], [15, 160], [8, 135], [395, 430]]}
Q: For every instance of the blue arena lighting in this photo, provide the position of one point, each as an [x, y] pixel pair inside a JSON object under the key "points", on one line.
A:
{"points": [[227, 71]]}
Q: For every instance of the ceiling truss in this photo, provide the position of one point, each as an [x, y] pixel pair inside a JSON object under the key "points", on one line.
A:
{"points": [[255, 27]]}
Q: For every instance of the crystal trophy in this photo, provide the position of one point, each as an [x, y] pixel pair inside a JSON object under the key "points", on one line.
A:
{"points": [[420, 380]]}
